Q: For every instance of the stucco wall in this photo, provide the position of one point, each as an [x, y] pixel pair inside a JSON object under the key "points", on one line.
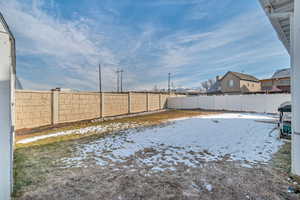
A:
{"points": [[225, 84], [238, 85], [250, 86]]}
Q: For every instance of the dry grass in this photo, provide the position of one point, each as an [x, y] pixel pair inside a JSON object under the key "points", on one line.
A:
{"points": [[34, 161], [282, 162], [39, 176], [32, 164], [38, 173], [141, 120], [282, 159]]}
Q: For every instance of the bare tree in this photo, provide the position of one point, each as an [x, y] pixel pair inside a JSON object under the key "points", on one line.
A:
{"points": [[207, 85]]}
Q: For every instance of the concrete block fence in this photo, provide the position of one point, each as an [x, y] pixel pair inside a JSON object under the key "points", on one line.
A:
{"points": [[260, 103], [40, 108]]}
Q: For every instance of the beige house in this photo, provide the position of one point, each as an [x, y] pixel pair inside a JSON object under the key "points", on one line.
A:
{"points": [[235, 82]]}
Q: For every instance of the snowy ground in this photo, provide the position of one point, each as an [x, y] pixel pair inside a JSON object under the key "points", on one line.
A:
{"points": [[185, 141], [212, 156], [81, 131]]}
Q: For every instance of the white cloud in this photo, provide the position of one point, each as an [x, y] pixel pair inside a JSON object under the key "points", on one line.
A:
{"points": [[174, 2], [33, 85], [146, 51], [61, 44], [234, 43]]}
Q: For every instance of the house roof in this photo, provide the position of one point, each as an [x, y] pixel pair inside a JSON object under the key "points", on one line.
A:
{"points": [[282, 73], [271, 79], [242, 76]]}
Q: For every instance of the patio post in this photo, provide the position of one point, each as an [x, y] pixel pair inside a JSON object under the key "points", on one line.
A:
{"points": [[295, 77]]}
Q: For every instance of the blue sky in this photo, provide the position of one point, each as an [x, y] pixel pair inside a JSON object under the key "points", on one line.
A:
{"points": [[61, 42]]}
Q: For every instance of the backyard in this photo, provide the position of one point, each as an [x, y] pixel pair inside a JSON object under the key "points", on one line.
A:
{"points": [[168, 155]]}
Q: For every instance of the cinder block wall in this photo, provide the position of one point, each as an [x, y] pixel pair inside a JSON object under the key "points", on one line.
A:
{"points": [[78, 106], [115, 104], [153, 102], [33, 109], [39, 108], [138, 102]]}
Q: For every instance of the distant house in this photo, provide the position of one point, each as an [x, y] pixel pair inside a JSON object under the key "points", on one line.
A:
{"points": [[280, 81], [235, 82]]}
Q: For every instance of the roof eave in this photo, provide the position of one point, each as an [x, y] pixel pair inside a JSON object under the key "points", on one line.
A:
{"points": [[275, 21], [249, 80]]}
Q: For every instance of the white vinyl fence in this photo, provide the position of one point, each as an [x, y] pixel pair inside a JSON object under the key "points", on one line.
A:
{"points": [[261, 103]]}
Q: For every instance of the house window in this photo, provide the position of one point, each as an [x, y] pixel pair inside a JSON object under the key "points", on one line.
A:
{"points": [[231, 83]]}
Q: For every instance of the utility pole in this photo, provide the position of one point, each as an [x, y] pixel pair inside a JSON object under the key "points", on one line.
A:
{"points": [[100, 91], [169, 82]]}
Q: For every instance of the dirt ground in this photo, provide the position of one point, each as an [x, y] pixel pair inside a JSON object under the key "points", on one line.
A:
{"points": [[132, 122], [41, 174]]}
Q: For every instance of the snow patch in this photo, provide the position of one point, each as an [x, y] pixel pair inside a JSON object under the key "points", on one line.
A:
{"points": [[231, 116], [189, 142], [81, 131]]}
